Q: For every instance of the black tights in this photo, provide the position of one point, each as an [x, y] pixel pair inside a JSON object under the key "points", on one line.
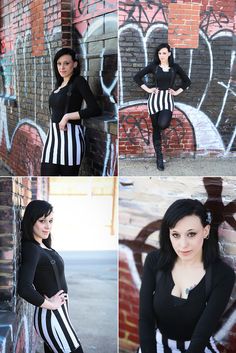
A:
{"points": [[160, 121], [48, 169], [48, 350]]}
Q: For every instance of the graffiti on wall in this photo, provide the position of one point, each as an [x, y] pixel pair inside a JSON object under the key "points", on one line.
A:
{"points": [[212, 120], [133, 251], [27, 136], [105, 63]]}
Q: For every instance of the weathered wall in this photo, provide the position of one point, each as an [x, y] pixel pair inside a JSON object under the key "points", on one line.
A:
{"points": [[202, 35], [143, 202], [30, 33], [16, 326], [95, 37]]}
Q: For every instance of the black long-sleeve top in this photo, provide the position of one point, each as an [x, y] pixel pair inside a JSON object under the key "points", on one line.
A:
{"points": [[36, 277], [164, 80], [81, 91], [190, 319]]}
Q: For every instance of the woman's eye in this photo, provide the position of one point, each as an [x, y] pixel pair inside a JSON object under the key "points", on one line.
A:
{"points": [[192, 234], [175, 235], [51, 221], [41, 220]]}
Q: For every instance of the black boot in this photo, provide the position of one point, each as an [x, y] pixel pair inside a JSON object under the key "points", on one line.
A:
{"points": [[156, 138], [157, 147], [159, 156]]}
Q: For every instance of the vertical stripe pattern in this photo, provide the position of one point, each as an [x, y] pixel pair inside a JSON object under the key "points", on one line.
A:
{"points": [[166, 345], [64, 147], [163, 100], [56, 330]]}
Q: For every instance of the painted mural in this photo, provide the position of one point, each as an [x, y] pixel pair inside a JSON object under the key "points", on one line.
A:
{"points": [[208, 106], [133, 247], [26, 79], [95, 37]]}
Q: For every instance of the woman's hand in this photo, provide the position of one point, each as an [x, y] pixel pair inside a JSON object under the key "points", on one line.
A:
{"points": [[153, 90], [175, 93], [56, 301], [63, 122], [150, 90], [66, 118]]}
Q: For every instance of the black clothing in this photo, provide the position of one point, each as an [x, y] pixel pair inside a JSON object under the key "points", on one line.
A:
{"points": [[81, 91], [67, 147], [194, 318], [163, 101], [161, 120], [164, 80], [49, 169], [37, 277]]}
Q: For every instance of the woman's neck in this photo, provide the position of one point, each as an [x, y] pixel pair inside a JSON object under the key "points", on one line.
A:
{"points": [[195, 262], [164, 64]]}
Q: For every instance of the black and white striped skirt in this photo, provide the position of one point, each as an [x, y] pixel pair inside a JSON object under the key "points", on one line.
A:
{"points": [[64, 147], [166, 345], [162, 100], [55, 329]]}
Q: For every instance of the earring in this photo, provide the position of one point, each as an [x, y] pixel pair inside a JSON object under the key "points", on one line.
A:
{"points": [[207, 237]]}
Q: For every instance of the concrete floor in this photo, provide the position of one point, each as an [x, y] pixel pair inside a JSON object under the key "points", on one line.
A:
{"points": [[201, 166]]}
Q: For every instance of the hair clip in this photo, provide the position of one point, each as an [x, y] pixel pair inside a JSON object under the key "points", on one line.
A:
{"points": [[209, 217]]}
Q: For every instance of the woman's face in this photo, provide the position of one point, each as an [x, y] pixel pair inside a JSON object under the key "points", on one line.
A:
{"points": [[163, 55], [187, 238], [42, 227], [65, 66]]}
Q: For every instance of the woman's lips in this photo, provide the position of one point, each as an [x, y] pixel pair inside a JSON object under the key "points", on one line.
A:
{"points": [[185, 253]]}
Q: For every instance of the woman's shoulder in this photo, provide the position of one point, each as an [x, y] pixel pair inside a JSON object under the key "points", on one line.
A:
{"points": [[152, 258], [176, 66], [30, 246], [80, 79], [222, 270]]}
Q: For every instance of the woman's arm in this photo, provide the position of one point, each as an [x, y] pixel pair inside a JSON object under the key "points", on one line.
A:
{"points": [[147, 321], [26, 289], [186, 82], [92, 108], [138, 78], [215, 307]]}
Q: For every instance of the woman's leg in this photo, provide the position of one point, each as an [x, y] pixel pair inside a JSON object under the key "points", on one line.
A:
{"points": [[69, 170], [47, 349], [48, 169], [164, 119], [156, 138]]}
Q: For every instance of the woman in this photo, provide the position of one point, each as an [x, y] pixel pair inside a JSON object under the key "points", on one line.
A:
{"points": [[42, 281], [185, 285], [160, 101], [65, 145]]}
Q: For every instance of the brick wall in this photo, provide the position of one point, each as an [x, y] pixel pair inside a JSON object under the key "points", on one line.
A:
{"points": [[201, 34], [16, 328], [30, 34], [143, 202], [95, 38]]}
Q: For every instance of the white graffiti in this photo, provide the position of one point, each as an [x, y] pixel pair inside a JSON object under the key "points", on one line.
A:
{"points": [[91, 30], [21, 44], [206, 134], [213, 141], [23, 324], [111, 152], [131, 264]]}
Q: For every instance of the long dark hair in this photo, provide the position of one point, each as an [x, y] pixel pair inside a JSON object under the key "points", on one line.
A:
{"points": [[178, 210], [156, 57], [35, 210], [61, 52]]}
